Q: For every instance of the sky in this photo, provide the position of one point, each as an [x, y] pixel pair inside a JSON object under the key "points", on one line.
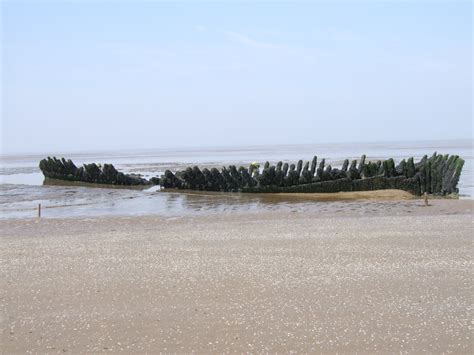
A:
{"points": [[101, 75]]}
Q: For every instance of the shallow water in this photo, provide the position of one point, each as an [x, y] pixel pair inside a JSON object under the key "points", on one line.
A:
{"points": [[22, 188]]}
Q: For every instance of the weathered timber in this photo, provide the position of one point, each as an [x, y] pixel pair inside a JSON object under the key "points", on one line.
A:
{"points": [[437, 175], [62, 169]]}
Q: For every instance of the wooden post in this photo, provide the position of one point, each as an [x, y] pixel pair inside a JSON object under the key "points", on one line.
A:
{"points": [[426, 198], [39, 210]]}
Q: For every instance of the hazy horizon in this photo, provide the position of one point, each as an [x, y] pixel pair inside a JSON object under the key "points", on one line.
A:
{"points": [[104, 76], [243, 147]]}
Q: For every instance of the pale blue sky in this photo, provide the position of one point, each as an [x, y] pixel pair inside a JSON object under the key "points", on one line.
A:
{"points": [[102, 75]]}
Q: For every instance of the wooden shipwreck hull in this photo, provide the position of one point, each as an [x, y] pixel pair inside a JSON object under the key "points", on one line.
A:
{"points": [[438, 174], [62, 169]]}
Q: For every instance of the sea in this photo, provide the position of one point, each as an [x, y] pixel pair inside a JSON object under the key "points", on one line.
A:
{"points": [[23, 188]]}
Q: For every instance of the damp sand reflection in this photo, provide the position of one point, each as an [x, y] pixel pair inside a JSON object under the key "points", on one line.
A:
{"points": [[61, 200]]}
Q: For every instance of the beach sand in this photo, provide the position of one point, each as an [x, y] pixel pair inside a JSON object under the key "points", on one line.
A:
{"points": [[385, 276], [382, 195]]}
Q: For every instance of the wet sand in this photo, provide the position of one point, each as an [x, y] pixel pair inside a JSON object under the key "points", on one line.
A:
{"points": [[368, 277], [381, 195]]}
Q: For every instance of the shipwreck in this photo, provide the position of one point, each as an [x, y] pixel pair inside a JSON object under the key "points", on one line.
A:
{"points": [[437, 175]]}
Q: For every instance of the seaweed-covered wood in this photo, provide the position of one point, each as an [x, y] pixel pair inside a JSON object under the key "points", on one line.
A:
{"points": [[62, 169], [438, 175]]}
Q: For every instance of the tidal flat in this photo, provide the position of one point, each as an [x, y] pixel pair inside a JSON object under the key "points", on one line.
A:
{"points": [[361, 276]]}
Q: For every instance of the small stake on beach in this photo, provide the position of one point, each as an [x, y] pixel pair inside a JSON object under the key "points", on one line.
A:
{"points": [[425, 195], [39, 210]]}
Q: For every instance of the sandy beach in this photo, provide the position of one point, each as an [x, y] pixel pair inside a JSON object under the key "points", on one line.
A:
{"points": [[386, 276], [236, 177]]}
